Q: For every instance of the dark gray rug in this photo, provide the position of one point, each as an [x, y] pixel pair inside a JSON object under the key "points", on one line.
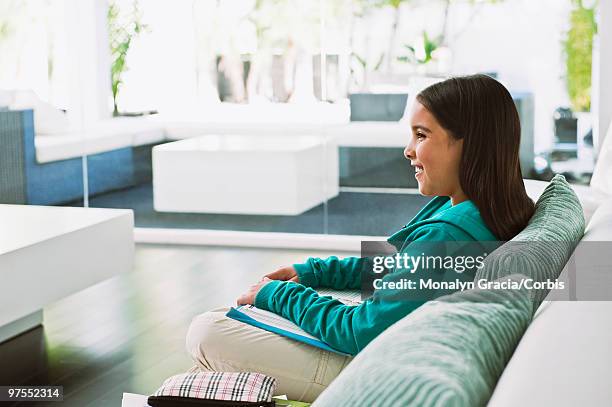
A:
{"points": [[350, 213]]}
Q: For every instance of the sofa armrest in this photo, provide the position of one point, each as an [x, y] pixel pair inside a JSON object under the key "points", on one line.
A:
{"points": [[13, 183]]}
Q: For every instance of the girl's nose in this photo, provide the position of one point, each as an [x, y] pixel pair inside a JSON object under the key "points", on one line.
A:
{"points": [[409, 152]]}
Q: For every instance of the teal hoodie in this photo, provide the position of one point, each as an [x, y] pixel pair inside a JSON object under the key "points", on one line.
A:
{"points": [[350, 328]]}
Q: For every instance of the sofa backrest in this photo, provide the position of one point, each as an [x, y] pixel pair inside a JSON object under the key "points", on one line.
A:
{"points": [[590, 269], [563, 359], [602, 174]]}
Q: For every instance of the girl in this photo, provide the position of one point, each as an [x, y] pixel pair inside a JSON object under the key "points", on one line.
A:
{"points": [[464, 145]]}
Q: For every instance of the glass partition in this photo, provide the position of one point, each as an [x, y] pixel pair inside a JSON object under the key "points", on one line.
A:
{"points": [[271, 115], [227, 127], [531, 48]]}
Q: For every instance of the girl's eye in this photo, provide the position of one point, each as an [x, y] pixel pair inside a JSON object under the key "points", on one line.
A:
{"points": [[420, 135]]}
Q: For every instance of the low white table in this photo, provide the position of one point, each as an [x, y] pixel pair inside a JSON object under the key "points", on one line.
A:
{"points": [[238, 174], [47, 253]]}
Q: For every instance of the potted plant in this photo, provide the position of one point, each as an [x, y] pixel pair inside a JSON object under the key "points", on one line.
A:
{"points": [[422, 53], [122, 30]]}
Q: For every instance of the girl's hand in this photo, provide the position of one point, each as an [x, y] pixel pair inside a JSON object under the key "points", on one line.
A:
{"points": [[249, 296], [284, 274]]}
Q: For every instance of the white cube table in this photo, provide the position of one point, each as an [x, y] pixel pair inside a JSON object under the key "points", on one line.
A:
{"points": [[47, 253], [239, 174]]}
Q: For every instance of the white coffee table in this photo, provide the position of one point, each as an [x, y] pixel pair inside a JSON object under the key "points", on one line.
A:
{"points": [[47, 253], [239, 174]]}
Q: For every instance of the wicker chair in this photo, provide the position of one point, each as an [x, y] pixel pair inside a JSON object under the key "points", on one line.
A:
{"points": [[25, 181]]}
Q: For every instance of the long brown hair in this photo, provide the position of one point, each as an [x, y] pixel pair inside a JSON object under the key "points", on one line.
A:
{"points": [[480, 110]]}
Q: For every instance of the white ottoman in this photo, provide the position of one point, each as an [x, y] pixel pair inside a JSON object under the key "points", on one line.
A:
{"points": [[237, 174]]}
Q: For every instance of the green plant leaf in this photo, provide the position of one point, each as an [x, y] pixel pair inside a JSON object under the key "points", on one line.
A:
{"points": [[578, 50]]}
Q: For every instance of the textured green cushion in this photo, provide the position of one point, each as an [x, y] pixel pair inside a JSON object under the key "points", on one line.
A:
{"points": [[449, 352], [558, 216], [543, 248]]}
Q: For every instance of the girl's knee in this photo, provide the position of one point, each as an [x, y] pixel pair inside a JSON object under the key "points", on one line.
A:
{"points": [[201, 340]]}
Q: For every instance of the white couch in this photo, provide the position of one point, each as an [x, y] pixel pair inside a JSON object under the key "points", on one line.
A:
{"points": [[117, 148], [106, 135], [111, 134], [565, 356]]}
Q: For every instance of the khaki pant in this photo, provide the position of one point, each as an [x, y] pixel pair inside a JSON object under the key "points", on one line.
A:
{"points": [[218, 343]]}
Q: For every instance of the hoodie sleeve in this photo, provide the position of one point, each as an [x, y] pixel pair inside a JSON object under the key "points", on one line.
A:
{"points": [[345, 328], [340, 274]]}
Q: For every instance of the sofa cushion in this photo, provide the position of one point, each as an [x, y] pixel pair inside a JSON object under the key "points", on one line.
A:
{"points": [[187, 128], [557, 217], [48, 120], [543, 248], [369, 134], [448, 352], [141, 130], [106, 135], [563, 359], [71, 145], [6, 98]]}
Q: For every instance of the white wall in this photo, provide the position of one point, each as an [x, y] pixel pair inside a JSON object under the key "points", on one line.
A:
{"points": [[522, 41]]}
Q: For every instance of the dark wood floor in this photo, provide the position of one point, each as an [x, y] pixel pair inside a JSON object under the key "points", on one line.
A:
{"points": [[127, 334]]}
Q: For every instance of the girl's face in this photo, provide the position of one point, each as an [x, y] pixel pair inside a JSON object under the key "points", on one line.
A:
{"points": [[435, 154]]}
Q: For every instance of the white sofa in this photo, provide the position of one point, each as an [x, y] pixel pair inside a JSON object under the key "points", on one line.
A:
{"points": [[118, 150], [106, 135], [111, 134], [565, 356]]}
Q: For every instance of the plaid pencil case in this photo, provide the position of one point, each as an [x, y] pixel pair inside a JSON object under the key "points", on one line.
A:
{"points": [[226, 389]]}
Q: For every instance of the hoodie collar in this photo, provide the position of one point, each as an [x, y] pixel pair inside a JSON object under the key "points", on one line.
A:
{"points": [[465, 216]]}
